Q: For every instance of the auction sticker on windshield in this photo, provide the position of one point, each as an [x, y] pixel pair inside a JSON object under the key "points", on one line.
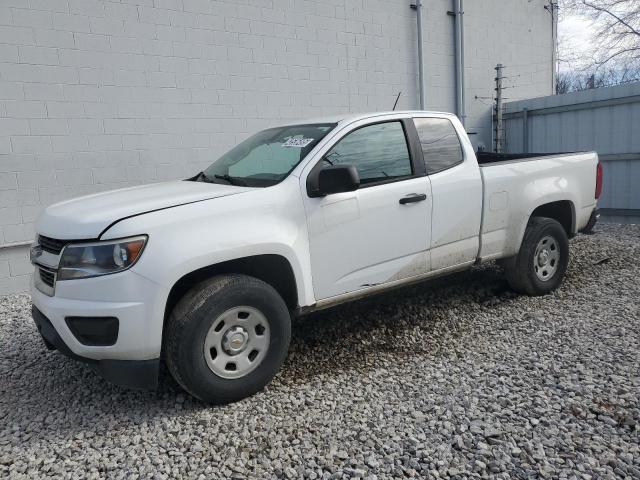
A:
{"points": [[297, 142]]}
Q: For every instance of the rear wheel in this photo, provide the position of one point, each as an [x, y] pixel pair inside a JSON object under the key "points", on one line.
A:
{"points": [[227, 338], [541, 263]]}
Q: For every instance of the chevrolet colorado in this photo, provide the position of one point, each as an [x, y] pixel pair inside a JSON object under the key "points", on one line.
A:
{"points": [[206, 273]]}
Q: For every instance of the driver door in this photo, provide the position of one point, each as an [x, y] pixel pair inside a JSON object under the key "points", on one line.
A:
{"points": [[379, 233]]}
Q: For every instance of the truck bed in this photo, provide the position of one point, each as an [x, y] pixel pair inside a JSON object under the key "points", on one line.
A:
{"points": [[515, 184]]}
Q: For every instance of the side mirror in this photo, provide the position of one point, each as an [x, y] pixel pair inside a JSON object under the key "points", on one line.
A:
{"points": [[333, 179]]}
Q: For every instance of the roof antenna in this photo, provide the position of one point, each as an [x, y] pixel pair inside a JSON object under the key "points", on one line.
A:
{"points": [[397, 98]]}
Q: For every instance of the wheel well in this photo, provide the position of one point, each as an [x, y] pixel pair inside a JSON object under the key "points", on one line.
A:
{"points": [[561, 211], [272, 269]]}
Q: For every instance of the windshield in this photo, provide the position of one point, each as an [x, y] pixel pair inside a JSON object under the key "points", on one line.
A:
{"points": [[267, 157]]}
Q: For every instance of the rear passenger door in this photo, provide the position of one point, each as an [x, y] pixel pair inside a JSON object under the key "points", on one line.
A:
{"points": [[380, 232], [456, 187]]}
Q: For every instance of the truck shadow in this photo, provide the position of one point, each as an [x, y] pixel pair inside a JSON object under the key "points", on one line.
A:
{"points": [[64, 397], [408, 321]]}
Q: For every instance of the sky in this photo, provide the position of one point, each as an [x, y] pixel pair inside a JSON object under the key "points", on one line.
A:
{"points": [[574, 39]]}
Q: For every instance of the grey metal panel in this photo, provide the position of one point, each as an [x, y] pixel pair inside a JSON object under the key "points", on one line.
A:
{"points": [[628, 90], [634, 183], [606, 120], [579, 106], [612, 157]]}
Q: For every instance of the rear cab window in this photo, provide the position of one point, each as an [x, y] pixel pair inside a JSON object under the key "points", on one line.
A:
{"points": [[441, 147]]}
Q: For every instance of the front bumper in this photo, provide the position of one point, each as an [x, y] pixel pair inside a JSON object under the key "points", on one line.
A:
{"points": [[133, 301], [137, 303], [138, 374]]}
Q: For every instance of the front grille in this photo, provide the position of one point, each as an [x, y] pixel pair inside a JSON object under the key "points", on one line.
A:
{"points": [[47, 277], [52, 245]]}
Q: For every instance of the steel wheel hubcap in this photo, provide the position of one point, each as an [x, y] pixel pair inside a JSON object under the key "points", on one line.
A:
{"points": [[546, 258], [237, 342]]}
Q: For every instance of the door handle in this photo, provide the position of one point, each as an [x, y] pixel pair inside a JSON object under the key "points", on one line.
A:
{"points": [[413, 198]]}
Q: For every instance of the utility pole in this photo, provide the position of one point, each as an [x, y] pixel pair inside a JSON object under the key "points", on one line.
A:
{"points": [[499, 130]]}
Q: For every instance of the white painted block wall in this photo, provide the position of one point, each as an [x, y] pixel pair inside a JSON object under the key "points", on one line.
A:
{"points": [[99, 94]]}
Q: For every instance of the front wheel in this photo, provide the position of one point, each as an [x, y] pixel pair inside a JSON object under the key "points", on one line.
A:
{"points": [[227, 338], [541, 263]]}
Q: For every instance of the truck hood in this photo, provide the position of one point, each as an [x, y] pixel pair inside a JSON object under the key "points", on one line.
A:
{"points": [[87, 217]]}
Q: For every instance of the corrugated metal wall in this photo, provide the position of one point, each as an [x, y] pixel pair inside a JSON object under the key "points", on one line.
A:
{"points": [[606, 120]]}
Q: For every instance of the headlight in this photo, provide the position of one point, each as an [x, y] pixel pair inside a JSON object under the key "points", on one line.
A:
{"points": [[82, 260]]}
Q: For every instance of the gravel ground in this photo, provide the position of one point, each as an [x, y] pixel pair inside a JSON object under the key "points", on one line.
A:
{"points": [[457, 378]]}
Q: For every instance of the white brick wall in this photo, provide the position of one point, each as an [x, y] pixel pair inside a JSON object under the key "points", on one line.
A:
{"points": [[101, 94], [14, 270]]}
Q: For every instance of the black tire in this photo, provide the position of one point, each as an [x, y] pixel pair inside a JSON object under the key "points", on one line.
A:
{"points": [[190, 322], [520, 269]]}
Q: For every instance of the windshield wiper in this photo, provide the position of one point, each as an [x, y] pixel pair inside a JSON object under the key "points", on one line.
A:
{"points": [[202, 177], [230, 179]]}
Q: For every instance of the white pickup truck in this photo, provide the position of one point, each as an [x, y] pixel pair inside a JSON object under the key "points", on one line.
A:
{"points": [[206, 273]]}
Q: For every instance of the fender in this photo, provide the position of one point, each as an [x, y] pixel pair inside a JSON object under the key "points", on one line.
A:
{"points": [[541, 204], [265, 221]]}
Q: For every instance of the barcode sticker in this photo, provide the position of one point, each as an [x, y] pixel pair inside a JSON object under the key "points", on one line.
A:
{"points": [[297, 142]]}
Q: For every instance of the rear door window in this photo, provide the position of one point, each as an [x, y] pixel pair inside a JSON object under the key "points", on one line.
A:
{"points": [[440, 144]]}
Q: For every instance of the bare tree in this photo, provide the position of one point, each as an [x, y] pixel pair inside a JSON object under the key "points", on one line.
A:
{"points": [[563, 83], [616, 31], [593, 77]]}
